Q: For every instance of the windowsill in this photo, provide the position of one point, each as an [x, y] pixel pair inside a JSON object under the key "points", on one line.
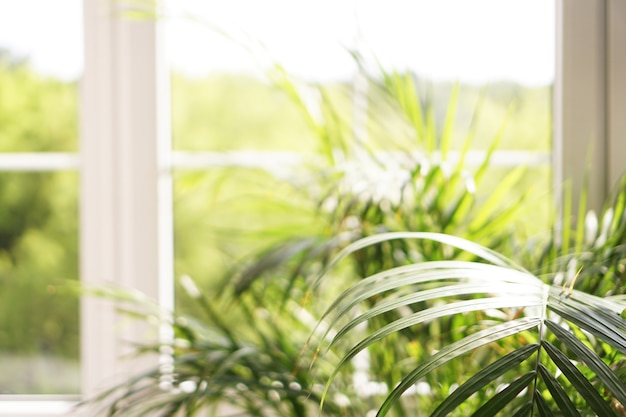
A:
{"points": [[36, 406]]}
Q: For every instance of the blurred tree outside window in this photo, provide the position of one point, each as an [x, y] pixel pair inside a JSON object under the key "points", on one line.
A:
{"points": [[39, 318]]}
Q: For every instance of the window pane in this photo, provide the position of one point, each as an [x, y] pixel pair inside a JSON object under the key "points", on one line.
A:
{"points": [[477, 42], [39, 334], [222, 97], [504, 71], [235, 112], [39, 70], [477, 71], [222, 215]]}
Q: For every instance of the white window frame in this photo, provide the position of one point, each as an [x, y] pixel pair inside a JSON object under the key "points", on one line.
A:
{"points": [[125, 161], [590, 96], [126, 236]]}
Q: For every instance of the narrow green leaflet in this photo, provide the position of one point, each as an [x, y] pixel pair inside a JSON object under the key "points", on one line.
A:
{"points": [[542, 406], [610, 380], [432, 294], [448, 125], [413, 274], [524, 410], [560, 397], [484, 377], [455, 350], [600, 323], [432, 314], [494, 202], [578, 380], [457, 242], [504, 397]]}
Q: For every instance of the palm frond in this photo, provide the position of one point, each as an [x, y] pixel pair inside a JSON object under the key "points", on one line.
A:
{"points": [[534, 318]]}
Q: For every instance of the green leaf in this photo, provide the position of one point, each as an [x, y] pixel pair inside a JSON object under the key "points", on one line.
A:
{"points": [[542, 406], [431, 294], [457, 242], [455, 350], [524, 410], [610, 380], [582, 212], [494, 202], [560, 396], [504, 397], [482, 169], [448, 125], [578, 380], [501, 280], [567, 214], [600, 322], [431, 129], [270, 261], [435, 313], [482, 378]]}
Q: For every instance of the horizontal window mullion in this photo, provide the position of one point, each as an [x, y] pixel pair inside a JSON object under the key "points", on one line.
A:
{"points": [[241, 159], [267, 160]]}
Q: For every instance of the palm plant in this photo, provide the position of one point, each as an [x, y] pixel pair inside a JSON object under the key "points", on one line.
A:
{"points": [[508, 341], [479, 337], [416, 183], [208, 364], [572, 316]]}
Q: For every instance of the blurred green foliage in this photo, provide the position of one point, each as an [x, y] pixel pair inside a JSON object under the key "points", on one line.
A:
{"points": [[38, 234], [227, 214], [37, 114], [234, 112]]}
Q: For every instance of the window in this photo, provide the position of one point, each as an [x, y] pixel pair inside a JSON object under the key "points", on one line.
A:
{"points": [[126, 161], [39, 319], [589, 95], [232, 130]]}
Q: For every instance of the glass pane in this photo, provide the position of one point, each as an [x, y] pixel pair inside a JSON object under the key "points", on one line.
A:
{"points": [[221, 93], [477, 42], [39, 335], [223, 215], [478, 74], [235, 112], [504, 71], [221, 99], [39, 70]]}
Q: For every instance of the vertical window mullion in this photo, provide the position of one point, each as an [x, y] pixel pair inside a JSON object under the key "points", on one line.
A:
{"points": [[590, 96], [616, 83], [124, 152], [579, 99]]}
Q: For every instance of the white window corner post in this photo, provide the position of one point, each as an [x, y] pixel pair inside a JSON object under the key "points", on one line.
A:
{"points": [[125, 185], [616, 89], [590, 98]]}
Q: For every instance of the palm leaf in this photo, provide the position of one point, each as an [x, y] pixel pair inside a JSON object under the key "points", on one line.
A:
{"points": [[482, 378], [542, 406], [578, 380], [440, 289], [593, 361], [504, 397], [558, 393]]}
